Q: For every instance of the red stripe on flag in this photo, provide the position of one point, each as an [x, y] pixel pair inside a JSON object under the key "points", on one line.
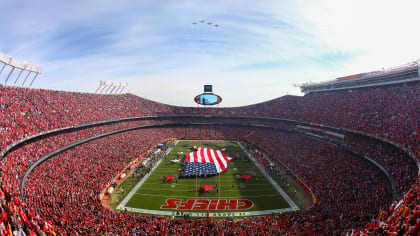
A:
{"points": [[203, 160], [195, 157]]}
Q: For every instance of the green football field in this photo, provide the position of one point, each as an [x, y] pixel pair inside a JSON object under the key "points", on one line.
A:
{"points": [[231, 194]]}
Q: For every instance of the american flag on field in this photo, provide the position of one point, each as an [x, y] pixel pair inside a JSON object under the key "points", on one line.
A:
{"points": [[205, 161]]}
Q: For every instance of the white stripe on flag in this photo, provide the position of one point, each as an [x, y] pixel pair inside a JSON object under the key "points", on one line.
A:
{"points": [[206, 157], [195, 156], [222, 159], [213, 156], [222, 167], [202, 159]]}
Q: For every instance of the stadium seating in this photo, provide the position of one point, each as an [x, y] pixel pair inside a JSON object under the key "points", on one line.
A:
{"points": [[67, 201]]}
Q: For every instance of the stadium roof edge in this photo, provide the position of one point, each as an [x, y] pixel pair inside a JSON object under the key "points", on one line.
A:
{"points": [[409, 72]]}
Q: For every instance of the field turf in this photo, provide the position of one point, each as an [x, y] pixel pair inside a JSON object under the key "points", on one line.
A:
{"points": [[154, 192]]}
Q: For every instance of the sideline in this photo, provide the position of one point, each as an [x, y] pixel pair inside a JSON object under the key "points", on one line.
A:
{"points": [[274, 183], [127, 198]]}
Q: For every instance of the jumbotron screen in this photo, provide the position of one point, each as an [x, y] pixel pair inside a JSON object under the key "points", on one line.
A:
{"points": [[208, 99]]}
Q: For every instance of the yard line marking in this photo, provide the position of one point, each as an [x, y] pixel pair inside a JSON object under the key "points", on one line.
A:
{"points": [[274, 183], [139, 184]]}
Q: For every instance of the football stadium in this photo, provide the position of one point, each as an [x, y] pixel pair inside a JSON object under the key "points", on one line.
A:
{"points": [[340, 158]]}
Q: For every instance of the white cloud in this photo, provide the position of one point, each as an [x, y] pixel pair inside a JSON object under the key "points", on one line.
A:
{"points": [[259, 51]]}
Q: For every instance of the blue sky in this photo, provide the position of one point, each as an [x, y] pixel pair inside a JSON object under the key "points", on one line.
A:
{"points": [[258, 52]]}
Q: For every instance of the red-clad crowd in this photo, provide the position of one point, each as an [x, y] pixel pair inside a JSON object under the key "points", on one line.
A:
{"points": [[25, 111], [66, 188], [353, 196], [349, 190], [390, 112], [397, 162]]}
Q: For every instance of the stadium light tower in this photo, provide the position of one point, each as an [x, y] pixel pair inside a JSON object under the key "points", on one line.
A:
{"points": [[100, 85], [122, 87], [118, 88], [125, 85], [116, 85], [17, 64], [106, 84], [109, 87]]}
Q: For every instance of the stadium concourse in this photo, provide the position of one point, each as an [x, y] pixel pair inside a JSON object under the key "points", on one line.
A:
{"points": [[352, 195]]}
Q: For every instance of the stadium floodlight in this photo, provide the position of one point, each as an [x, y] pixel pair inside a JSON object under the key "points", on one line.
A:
{"points": [[22, 65], [110, 86], [124, 86], [6, 59], [100, 85], [106, 84], [100, 92], [113, 88], [116, 86]]}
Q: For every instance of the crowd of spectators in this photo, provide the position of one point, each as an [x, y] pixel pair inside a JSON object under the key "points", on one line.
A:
{"points": [[397, 162], [25, 111], [391, 112], [349, 190], [66, 188], [402, 218], [62, 194]]}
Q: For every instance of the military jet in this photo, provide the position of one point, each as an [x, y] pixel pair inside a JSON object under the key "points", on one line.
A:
{"points": [[216, 25], [209, 23], [194, 23]]}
